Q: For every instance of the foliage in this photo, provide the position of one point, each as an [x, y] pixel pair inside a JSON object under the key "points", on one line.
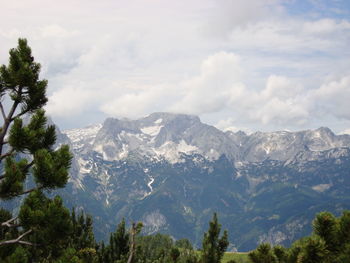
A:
{"points": [[82, 236], [263, 254], [28, 157], [329, 242], [213, 247], [118, 247], [154, 247], [326, 226], [184, 243]]}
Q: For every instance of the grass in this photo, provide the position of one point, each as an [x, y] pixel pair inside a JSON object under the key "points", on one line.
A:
{"points": [[237, 257]]}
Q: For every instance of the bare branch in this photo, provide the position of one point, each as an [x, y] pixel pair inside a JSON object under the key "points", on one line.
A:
{"points": [[2, 111], [20, 114], [6, 155], [8, 222], [31, 190], [28, 166], [18, 240], [25, 243], [133, 232]]}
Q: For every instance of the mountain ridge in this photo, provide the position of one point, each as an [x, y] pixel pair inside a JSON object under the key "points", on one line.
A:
{"points": [[158, 128]]}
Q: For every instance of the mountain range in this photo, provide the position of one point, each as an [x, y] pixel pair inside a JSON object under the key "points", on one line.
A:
{"points": [[171, 171]]}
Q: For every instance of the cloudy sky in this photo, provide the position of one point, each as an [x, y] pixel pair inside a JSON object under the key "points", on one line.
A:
{"points": [[238, 64]]}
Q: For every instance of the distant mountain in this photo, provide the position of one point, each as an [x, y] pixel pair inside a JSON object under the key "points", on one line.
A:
{"points": [[172, 172]]}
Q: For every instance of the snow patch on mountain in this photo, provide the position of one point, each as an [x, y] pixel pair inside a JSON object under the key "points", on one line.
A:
{"points": [[152, 130], [172, 151], [77, 181], [158, 121], [321, 187], [85, 166], [81, 137], [212, 155], [89, 132], [109, 151], [149, 185], [124, 152]]}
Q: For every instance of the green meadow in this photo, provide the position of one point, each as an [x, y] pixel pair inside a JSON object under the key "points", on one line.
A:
{"points": [[237, 257]]}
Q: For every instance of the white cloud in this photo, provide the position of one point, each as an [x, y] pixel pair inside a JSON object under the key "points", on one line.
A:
{"points": [[279, 111], [347, 131], [333, 97], [229, 125], [70, 101], [227, 15], [220, 86], [325, 26], [55, 31], [246, 60], [212, 90], [281, 87], [138, 101]]}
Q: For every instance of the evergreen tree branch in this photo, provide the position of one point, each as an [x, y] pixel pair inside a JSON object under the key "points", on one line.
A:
{"points": [[7, 122], [18, 240], [24, 192], [20, 114], [25, 169]]}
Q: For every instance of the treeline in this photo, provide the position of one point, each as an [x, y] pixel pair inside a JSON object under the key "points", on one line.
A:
{"points": [[328, 243], [76, 244]]}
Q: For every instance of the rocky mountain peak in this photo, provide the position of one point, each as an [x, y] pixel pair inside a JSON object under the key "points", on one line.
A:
{"points": [[169, 135], [166, 118], [161, 135]]}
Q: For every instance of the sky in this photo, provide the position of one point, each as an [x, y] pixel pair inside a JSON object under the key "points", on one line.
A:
{"points": [[251, 65]]}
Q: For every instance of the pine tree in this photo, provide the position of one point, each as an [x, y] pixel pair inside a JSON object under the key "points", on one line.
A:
{"points": [[344, 228], [326, 226], [280, 253], [82, 239], [120, 241], [263, 254], [213, 247], [184, 243], [174, 254], [314, 251], [27, 155]]}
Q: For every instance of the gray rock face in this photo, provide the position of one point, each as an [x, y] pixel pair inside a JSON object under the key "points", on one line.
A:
{"points": [[159, 135], [166, 135], [285, 145]]}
